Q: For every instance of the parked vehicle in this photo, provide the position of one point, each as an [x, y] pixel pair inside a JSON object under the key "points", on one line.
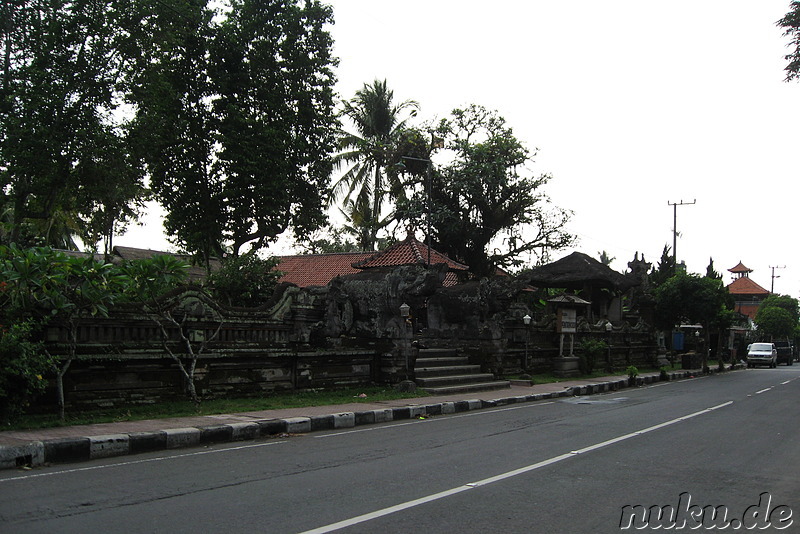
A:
{"points": [[785, 352], [762, 354]]}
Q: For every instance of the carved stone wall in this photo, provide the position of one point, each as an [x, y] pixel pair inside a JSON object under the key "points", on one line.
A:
{"points": [[350, 332]]}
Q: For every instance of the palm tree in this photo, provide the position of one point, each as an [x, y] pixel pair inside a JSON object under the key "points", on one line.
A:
{"points": [[366, 155]]}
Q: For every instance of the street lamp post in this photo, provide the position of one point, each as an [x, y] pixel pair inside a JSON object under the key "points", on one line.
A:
{"points": [[527, 320], [405, 313]]}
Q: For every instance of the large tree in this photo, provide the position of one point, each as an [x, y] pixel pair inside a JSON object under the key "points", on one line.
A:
{"points": [[367, 156], [62, 64], [778, 316], [235, 119], [692, 299], [487, 210], [791, 26]]}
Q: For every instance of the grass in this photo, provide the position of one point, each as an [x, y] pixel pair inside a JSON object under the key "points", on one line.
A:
{"points": [[550, 378], [298, 399]]}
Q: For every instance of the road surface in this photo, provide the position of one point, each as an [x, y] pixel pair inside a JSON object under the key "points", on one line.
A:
{"points": [[581, 464]]}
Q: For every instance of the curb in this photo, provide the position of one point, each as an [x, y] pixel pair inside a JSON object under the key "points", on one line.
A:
{"points": [[79, 449]]}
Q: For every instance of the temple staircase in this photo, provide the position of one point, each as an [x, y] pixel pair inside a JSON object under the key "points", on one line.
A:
{"points": [[443, 371]]}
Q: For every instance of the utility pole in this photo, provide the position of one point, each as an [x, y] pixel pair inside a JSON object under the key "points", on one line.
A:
{"points": [[675, 228], [774, 276]]}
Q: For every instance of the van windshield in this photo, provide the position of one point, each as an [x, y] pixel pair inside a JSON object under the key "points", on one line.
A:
{"points": [[761, 346]]}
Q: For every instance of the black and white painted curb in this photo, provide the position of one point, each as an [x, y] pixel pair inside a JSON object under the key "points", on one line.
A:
{"points": [[78, 449]]}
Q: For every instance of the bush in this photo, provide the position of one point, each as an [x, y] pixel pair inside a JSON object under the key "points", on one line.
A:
{"points": [[593, 350], [23, 363], [245, 280]]}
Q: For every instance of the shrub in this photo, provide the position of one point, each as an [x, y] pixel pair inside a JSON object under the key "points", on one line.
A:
{"points": [[593, 350], [245, 280], [23, 363]]}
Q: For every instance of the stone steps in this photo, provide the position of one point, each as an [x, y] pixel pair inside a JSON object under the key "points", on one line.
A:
{"points": [[442, 371]]}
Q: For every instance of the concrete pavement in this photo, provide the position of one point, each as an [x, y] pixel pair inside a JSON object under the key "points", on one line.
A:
{"points": [[30, 448]]}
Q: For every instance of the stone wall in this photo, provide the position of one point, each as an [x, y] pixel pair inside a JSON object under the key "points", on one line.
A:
{"points": [[348, 333]]}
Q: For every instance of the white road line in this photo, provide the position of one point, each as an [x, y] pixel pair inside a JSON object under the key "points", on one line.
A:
{"points": [[763, 390], [144, 461], [430, 419], [503, 476]]}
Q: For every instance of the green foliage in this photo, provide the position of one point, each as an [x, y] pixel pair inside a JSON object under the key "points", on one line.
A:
{"points": [[778, 316], [710, 272], [61, 148], [23, 365], [245, 280], [775, 322], [334, 240], [149, 279], [235, 119], [665, 269], [593, 350], [632, 371], [785, 302], [791, 26], [689, 298], [485, 213], [368, 156]]}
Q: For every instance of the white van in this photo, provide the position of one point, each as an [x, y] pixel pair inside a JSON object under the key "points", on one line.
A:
{"points": [[762, 354]]}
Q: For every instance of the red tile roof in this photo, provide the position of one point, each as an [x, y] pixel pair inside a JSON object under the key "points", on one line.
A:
{"points": [[748, 308], [745, 286], [408, 252], [318, 269]]}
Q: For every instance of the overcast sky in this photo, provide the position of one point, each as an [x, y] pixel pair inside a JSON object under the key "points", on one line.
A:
{"points": [[632, 104]]}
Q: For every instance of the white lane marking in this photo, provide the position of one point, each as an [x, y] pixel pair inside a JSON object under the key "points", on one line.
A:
{"points": [[144, 461], [763, 390], [449, 417], [503, 476]]}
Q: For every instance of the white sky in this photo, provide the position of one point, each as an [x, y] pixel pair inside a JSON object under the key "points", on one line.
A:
{"points": [[631, 103]]}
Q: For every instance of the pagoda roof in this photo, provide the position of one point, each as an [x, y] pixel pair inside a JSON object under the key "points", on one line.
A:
{"points": [[740, 268], [745, 286]]}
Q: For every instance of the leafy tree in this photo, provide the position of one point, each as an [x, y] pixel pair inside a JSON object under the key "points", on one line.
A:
{"points": [[785, 302], [775, 322], [665, 268], [23, 364], [59, 86], [237, 147], [689, 298], [334, 240], [778, 316], [43, 284], [791, 26], [245, 280], [486, 212], [149, 281], [368, 155], [710, 272]]}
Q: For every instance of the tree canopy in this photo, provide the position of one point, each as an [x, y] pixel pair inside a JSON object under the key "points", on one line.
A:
{"points": [[228, 113], [367, 156], [791, 26], [64, 168], [487, 211], [778, 316]]}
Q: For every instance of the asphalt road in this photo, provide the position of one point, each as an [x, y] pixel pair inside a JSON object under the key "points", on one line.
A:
{"points": [[566, 465]]}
